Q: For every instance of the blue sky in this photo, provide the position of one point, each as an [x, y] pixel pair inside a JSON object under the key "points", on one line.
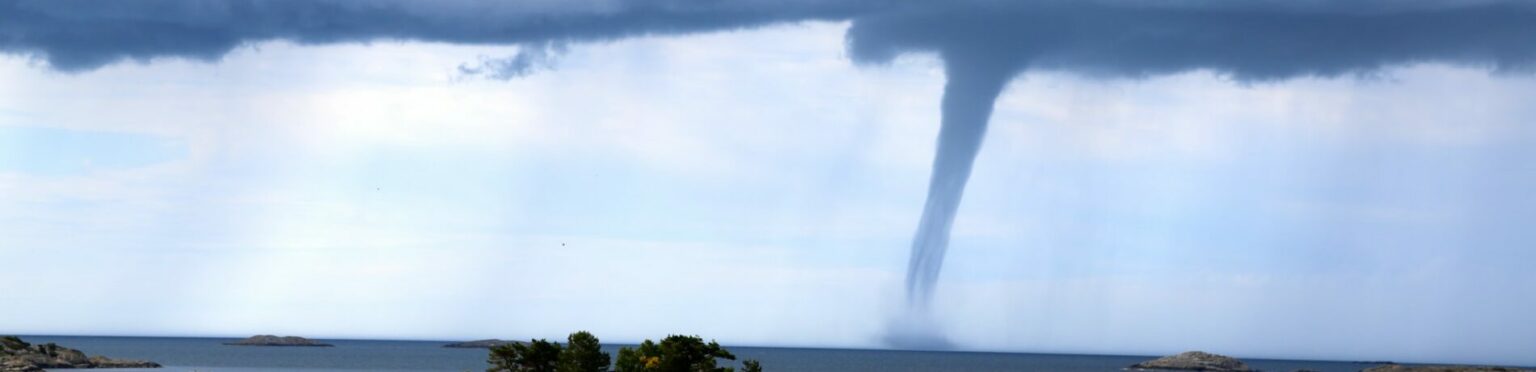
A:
{"points": [[759, 187]]}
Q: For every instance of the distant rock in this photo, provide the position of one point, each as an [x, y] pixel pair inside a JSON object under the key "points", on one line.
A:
{"points": [[19, 356], [1403, 368], [480, 344], [270, 340], [1195, 361], [103, 362]]}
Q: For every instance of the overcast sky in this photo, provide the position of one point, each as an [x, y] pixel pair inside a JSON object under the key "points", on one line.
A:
{"points": [[755, 176]]}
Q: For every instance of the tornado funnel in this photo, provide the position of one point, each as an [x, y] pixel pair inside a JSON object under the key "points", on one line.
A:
{"points": [[969, 94]]}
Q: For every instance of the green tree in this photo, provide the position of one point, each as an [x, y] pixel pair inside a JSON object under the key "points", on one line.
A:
{"points": [[751, 365], [628, 361], [636, 360], [690, 354], [583, 353], [535, 356], [676, 353]]}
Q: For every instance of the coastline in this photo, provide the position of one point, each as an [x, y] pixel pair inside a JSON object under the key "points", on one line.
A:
{"points": [[205, 353]]}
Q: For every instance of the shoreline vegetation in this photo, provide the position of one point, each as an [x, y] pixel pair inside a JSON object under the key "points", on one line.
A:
{"points": [[582, 352], [19, 356]]}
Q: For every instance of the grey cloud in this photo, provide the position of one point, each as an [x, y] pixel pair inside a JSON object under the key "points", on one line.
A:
{"points": [[1253, 40], [73, 35], [1248, 40], [529, 58]]}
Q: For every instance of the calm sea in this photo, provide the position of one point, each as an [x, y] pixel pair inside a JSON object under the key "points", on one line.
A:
{"points": [[209, 354]]}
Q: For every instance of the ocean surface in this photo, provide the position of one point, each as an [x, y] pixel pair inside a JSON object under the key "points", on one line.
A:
{"points": [[210, 354]]}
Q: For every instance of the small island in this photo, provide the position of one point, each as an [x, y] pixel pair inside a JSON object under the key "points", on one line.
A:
{"points": [[270, 340], [1194, 361], [19, 356], [480, 344]]}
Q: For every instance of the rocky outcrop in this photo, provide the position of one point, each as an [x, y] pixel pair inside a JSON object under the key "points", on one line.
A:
{"points": [[480, 344], [19, 356], [270, 340], [1194, 361], [1403, 368], [103, 362], [8, 343], [8, 364]]}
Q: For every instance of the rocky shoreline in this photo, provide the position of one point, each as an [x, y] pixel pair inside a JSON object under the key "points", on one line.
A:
{"points": [[19, 356], [270, 340]]}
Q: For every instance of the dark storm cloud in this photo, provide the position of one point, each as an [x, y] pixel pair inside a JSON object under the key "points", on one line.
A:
{"points": [[74, 35], [1249, 40]]}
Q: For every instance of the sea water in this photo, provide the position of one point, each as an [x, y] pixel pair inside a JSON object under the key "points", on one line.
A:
{"points": [[210, 354]]}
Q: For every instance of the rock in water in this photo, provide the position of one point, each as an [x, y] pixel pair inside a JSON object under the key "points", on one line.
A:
{"points": [[103, 362], [19, 356], [1403, 368], [270, 340], [1195, 361], [480, 344]]}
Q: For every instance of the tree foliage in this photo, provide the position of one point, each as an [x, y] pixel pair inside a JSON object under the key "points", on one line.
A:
{"points": [[676, 353], [631, 360], [583, 353], [537, 355]]}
